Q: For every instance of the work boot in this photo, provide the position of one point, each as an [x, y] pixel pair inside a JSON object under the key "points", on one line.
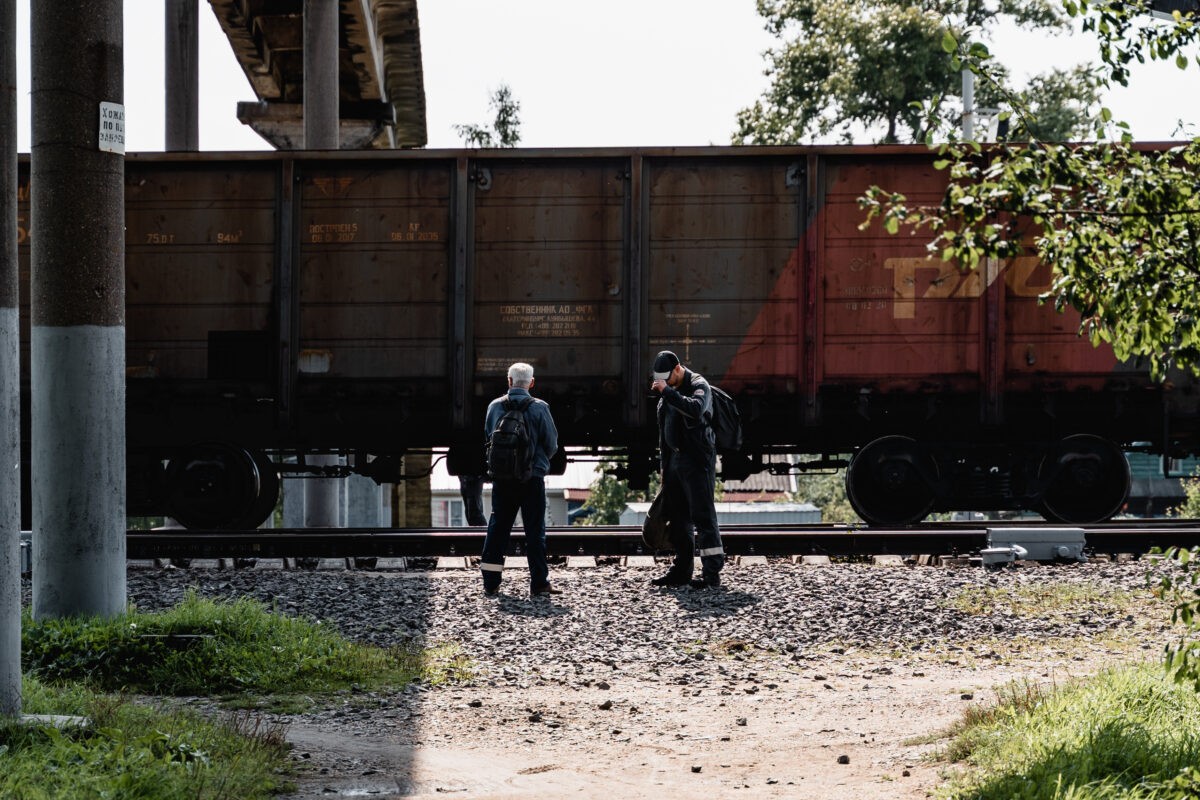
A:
{"points": [[712, 581], [672, 578]]}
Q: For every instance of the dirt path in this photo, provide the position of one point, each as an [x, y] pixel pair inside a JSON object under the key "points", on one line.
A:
{"points": [[785, 736]]}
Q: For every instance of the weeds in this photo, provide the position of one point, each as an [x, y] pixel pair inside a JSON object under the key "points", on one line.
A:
{"points": [[1129, 734], [238, 650], [205, 647], [1045, 600], [131, 751]]}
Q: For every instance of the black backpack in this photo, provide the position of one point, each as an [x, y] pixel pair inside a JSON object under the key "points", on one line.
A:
{"points": [[509, 449], [726, 421]]}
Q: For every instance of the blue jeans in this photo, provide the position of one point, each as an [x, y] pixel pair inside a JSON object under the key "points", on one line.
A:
{"points": [[509, 497]]}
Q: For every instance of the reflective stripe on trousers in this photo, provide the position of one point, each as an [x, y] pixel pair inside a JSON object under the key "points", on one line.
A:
{"points": [[688, 481], [509, 498]]}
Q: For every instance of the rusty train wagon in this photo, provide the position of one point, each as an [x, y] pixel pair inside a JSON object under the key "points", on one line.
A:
{"points": [[281, 305]]}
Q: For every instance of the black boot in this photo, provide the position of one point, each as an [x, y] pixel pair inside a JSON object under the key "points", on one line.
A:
{"points": [[672, 578]]}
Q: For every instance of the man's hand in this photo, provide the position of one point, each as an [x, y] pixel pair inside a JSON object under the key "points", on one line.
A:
{"points": [[658, 386]]}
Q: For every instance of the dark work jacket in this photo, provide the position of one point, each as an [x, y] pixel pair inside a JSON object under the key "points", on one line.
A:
{"points": [[683, 416], [543, 434]]}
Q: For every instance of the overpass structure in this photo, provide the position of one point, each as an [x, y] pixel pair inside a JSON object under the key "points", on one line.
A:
{"points": [[381, 84]]}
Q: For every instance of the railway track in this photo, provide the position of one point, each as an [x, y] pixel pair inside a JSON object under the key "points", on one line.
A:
{"points": [[1135, 537]]}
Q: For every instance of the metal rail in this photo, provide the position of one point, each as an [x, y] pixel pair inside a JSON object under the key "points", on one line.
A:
{"points": [[1132, 538]]}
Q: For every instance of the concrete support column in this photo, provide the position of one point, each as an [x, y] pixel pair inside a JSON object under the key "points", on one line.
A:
{"points": [[322, 496], [293, 503], [10, 369], [321, 89], [363, 502], [77, 341], [182, 63], [418, 498]]}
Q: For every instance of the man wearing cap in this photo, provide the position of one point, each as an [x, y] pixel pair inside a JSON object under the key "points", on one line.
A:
{"points": [[688, 457]]}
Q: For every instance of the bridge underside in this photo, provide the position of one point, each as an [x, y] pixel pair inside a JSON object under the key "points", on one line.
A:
{"points": [[381, 83]]}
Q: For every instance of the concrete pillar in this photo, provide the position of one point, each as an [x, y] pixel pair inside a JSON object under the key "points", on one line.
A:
{"points": [[418, 498], [363, 502], [321, 89], [10, 368], [77, 341], [322, 496], [182, 63], [293, 503]]}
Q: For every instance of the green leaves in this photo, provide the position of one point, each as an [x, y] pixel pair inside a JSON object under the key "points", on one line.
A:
{"points": [[893, 68], [1118, 224]]}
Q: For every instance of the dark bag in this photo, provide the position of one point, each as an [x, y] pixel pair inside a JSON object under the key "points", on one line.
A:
{"points": [[655, 534], [726, 421], [509, 449]]}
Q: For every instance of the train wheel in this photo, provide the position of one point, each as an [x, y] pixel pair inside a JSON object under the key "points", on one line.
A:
{"points": [[212, 486], [268, 492], [1087, 480], [890, 482]]}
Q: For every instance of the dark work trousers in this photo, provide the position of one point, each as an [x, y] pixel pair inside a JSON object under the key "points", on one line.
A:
{"points": [[688, 484], [509, 497], [471, 489]]}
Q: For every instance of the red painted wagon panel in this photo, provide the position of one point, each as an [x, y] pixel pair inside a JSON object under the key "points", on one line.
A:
{"points": [[722, 280], [888, 313]]}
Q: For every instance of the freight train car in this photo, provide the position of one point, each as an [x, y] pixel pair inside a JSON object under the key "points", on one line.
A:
{"points": [[281, 305]]}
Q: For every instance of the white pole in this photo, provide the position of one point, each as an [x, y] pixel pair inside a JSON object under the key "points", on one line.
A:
{"points": [[968, 93]]}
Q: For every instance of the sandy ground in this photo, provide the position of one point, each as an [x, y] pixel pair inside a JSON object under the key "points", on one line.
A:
{"points": [[854, 729]]}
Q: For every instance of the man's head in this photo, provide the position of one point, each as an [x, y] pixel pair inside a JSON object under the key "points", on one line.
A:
{"points": [[520, 375], [667, 367]]}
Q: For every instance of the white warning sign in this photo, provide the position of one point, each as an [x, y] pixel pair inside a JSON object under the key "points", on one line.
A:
{"points": [[112, 128]]}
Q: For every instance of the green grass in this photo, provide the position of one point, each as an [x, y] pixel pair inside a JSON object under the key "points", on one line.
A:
{"points": [[132, 751], [239, 652], [1128, 734], [242, 649], [1046, 600]]}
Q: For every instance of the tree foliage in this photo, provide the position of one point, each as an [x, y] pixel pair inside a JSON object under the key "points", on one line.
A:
{"points": [[506, 126], [848, 65], [610, 494], [1190, 508], [826, 491], [1118, 223]]}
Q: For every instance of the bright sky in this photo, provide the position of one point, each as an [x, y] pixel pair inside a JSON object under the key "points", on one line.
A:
{"points": [[618, 73]]}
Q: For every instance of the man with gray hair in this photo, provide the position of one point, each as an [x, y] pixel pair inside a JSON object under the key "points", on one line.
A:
{"points": [[522, 425]]}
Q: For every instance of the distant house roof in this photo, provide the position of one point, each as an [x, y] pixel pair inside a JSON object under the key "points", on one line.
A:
{"points": [[762, 482], [579, 476], [733, 513]]}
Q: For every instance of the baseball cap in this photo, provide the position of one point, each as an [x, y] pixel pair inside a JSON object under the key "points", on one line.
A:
{"points": [[664, 362]]}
